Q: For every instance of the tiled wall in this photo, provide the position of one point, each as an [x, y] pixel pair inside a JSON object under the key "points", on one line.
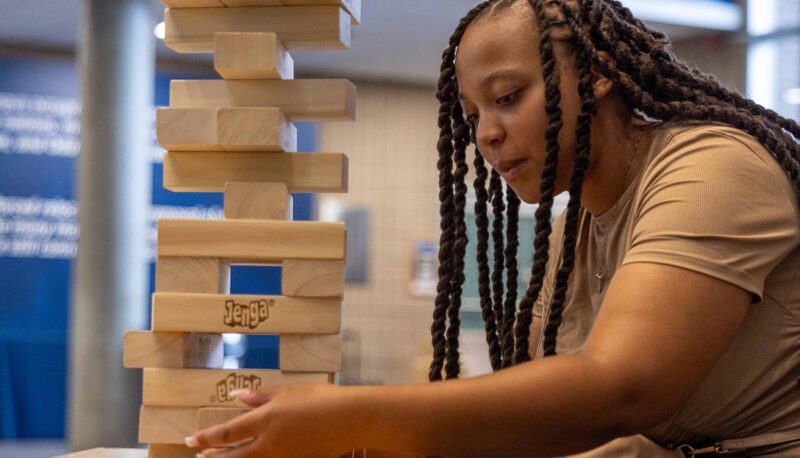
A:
{"points": [[392, 152]]}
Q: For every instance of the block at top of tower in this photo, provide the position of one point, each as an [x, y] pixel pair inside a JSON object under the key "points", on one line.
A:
{"points": [[298, 28]]}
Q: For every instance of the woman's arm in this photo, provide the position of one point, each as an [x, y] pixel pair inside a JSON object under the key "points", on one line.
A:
{"points": [[659, 333]]}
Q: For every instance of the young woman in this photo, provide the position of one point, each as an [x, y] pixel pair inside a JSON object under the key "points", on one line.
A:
{"points": [[663, 313]]}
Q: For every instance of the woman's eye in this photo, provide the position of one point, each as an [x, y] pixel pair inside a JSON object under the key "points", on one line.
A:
{"points": [[508, 98], [472, 119]]}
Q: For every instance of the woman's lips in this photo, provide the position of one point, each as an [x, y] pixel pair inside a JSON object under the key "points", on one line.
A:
{"points": [[509, 170]]}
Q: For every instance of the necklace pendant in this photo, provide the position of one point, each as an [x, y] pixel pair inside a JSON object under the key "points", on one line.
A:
{"points": [[601, 278]]}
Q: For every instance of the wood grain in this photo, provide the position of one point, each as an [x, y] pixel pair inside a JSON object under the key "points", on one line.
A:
{"points": [[209, 171], [211, 387], [172, 350], [265, 242], [271, 201], [312, 278], [299, 100], [308, 28], [252, 56], [246, 314]]}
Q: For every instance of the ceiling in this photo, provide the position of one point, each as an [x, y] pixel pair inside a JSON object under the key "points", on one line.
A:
{"points": [[399, 40]]}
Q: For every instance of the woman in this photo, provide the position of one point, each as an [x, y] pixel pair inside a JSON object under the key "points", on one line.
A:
{"points": [[667, 288]]}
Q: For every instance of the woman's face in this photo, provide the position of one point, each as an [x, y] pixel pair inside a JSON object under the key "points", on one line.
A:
{"points": [[502, 92]]}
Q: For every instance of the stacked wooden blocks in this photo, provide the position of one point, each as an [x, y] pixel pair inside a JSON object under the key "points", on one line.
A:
{"points": [[236, 136]]}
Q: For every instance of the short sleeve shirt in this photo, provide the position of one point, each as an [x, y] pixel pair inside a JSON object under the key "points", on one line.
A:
{"points": [[709, 199]]}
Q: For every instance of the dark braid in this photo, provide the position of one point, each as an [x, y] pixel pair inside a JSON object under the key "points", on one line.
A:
{"points": [[651, 81], [482, 249], [461, 140], [582, 149], [512, 240], [543, 213], [447, 97], [498, 211]]}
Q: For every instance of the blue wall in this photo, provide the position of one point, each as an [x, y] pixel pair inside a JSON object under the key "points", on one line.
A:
{"points": [[39, 142]]}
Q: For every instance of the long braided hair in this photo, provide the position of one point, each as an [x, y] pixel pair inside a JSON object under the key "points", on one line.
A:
{"points": [[651, 81]]}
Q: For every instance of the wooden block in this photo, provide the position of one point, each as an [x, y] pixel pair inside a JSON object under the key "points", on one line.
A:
{"points": [[191, 275], [171, 451], [246, 314], [212, 388], [351, 6], [209, 171], [255, 129], [311, 353], [172, 350], [187, 129], [107, 453], [225, 129], [235, 3], [193, 3], [265, 242], [312, 278], [299, 100], [252, 55], [307, 28], [212, 416], [167, 425], [171, 425], [258, 201]]}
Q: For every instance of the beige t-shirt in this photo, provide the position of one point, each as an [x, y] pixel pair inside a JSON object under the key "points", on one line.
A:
{"points": [[709, 199]]}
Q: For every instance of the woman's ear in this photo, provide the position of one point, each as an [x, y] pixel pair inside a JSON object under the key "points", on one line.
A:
{"points": [[602, 85]]}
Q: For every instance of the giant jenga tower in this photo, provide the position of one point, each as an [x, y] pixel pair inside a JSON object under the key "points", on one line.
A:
{"points": [[235, 135]]}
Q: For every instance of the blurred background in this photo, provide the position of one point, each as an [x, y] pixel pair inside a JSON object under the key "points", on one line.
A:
{"points": [[391, 211]]}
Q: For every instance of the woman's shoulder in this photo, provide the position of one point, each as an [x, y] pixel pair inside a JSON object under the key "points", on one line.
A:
{"points": [[691, 132]]}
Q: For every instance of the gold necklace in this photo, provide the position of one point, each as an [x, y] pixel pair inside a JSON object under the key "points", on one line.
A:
{"points": [[601, 272]]}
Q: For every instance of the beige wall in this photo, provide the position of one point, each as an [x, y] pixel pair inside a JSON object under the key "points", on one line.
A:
{"points": [[392, 151]]}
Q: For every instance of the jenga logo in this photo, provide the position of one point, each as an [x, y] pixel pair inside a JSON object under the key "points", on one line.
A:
{"points": [[248, 316], [235, 382]]}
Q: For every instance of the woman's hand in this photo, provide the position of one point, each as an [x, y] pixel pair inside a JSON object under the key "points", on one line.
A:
{"points": [[288, 421]]}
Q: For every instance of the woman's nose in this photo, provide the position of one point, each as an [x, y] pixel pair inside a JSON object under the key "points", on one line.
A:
{"points": [[490, 133]]}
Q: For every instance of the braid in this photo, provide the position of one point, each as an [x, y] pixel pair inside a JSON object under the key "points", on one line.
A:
{"points": [[461, 140], [512, 242], [498, 209], [582, 150], [543, 213], [447, 96], [482, 249]]}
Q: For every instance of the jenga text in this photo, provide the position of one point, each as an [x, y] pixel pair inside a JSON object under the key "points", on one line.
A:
{"points": [[248, 316], [235, 382]]}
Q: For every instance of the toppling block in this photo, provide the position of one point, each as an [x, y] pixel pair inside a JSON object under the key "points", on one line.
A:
{"points": [[299, 100], [212, 388], [174, 350], [172, 425], [225, 129], [246, 314], [312, 278], [309, 28], [252, 56], [191, 275], [311, 353], [209, 171], [258, 201], [265, 242]]}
